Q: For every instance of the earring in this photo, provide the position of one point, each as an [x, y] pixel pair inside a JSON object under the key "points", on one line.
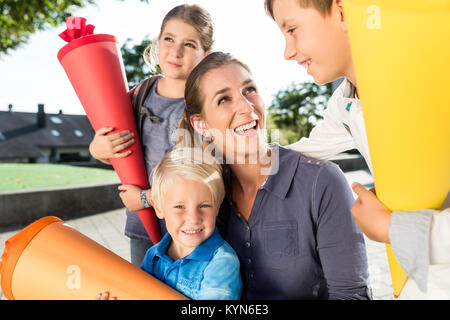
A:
{"points": [[207, 135]]}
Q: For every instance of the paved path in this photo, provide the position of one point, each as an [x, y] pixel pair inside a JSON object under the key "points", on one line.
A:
{"points": [[108, 230]]}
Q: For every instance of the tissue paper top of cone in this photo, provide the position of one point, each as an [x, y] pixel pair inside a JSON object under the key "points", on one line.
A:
{"points": [[14, 247], [78, 33]]}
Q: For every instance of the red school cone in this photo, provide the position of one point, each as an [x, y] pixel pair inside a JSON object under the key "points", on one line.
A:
{"points": [[93, 63]]}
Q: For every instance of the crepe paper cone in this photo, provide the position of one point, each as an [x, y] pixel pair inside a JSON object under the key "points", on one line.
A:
{"points": [[95, 69], [49, 260], [401, 53]]}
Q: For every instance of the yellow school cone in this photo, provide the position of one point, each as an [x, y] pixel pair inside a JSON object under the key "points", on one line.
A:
{"points": [[401, 54]]}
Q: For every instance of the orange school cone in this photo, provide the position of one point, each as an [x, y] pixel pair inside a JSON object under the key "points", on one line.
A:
{"points": [[49, 260], [401, 53], [95, 69]]}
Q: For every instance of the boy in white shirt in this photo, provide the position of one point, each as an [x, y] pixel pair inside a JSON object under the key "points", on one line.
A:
{"points": [[315, 33]]}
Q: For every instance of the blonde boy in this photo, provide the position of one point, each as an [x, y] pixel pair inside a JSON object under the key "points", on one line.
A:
{"points": [[192, 257]]}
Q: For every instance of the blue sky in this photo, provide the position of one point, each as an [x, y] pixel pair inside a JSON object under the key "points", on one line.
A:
{"points": [[32, 74]]}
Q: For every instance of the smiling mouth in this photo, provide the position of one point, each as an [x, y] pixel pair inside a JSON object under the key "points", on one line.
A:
{"points": [[174, 64], [306, 63], [246, 128], [192, 232]]}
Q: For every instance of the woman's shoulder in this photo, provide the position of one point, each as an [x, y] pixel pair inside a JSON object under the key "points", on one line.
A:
{"points": [[306, 165]]}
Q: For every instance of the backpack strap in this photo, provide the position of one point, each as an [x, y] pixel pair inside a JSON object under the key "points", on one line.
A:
{"points": [[137, 96]]}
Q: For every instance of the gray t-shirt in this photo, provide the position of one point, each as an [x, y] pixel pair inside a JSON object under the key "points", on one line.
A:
{"points": [[158, 138]]}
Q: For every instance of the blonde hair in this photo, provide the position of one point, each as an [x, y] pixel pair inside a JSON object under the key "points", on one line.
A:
{"points": [[192, 164], [193, 15], [323, 6]]}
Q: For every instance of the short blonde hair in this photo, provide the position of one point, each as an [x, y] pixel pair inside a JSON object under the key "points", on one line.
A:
{"points": [[192, 164]]}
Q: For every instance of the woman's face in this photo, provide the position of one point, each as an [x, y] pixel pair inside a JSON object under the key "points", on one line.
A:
{"points": [[233, 112], [179, 49]]}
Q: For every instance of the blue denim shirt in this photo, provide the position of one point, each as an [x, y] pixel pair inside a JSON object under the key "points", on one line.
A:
{"points": [[210, 272], [300, 241]]}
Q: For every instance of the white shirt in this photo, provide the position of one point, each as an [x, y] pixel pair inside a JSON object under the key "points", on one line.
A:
{"points": [[341, 129]]}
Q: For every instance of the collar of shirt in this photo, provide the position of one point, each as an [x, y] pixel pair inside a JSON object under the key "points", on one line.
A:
{"points": [[345, 98], [279, 181], [203, 252]]}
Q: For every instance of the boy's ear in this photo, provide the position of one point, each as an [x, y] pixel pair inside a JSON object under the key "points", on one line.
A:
{"points": [[198, 124], [158, 212], [340, 10]]}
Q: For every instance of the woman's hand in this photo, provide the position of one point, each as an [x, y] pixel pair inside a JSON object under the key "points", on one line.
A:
{"points": [[104, 147], [104, 296], [371, 216], [131, 197]]}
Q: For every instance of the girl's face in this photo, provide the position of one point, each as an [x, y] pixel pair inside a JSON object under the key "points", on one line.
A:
{"points": [[189, 213], [233, 112], [180, 49]]}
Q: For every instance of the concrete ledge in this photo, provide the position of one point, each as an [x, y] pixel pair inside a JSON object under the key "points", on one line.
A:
{"points": [[350, 162], [22, 207]]}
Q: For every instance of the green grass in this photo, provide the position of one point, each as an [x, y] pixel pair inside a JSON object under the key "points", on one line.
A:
{"points": [[14, 176]]}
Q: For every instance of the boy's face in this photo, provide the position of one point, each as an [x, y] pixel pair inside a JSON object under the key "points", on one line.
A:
{"points": [[189, 213], [319, 43]]}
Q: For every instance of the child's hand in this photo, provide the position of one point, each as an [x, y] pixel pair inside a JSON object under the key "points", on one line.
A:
{"points": [[131, 197], [371, 216], [104, 147], [104, 296]]}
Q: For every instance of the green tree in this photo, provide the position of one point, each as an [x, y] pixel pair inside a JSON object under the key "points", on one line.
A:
{"points": [[135, 67], [296, 110], [21, 18]]}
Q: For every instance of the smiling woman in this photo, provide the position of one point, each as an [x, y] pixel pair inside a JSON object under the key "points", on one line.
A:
{"points": [[289, 224], [15, 176]]}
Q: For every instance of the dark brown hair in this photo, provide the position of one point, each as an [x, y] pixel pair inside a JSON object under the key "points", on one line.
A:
{"points": [[323, 6]]}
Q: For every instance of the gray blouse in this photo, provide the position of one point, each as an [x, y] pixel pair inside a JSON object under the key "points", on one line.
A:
{"points": [[300, 241]]}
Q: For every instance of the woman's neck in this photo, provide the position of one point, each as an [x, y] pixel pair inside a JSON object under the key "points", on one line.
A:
{"points": [[171, 88], [250, 177]]}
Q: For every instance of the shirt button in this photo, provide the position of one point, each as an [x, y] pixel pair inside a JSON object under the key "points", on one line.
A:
{"points": [[247, 244], [247, 228], [251, 276], [249, 261]]}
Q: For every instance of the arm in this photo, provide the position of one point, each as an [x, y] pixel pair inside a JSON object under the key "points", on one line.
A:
{"points": [[104, 147], [221, 278], [340, 244], [131, 196], [328, 138], [418, 238]]}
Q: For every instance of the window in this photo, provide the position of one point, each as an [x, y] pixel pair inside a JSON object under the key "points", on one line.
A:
{"points": [[55, 120]]}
